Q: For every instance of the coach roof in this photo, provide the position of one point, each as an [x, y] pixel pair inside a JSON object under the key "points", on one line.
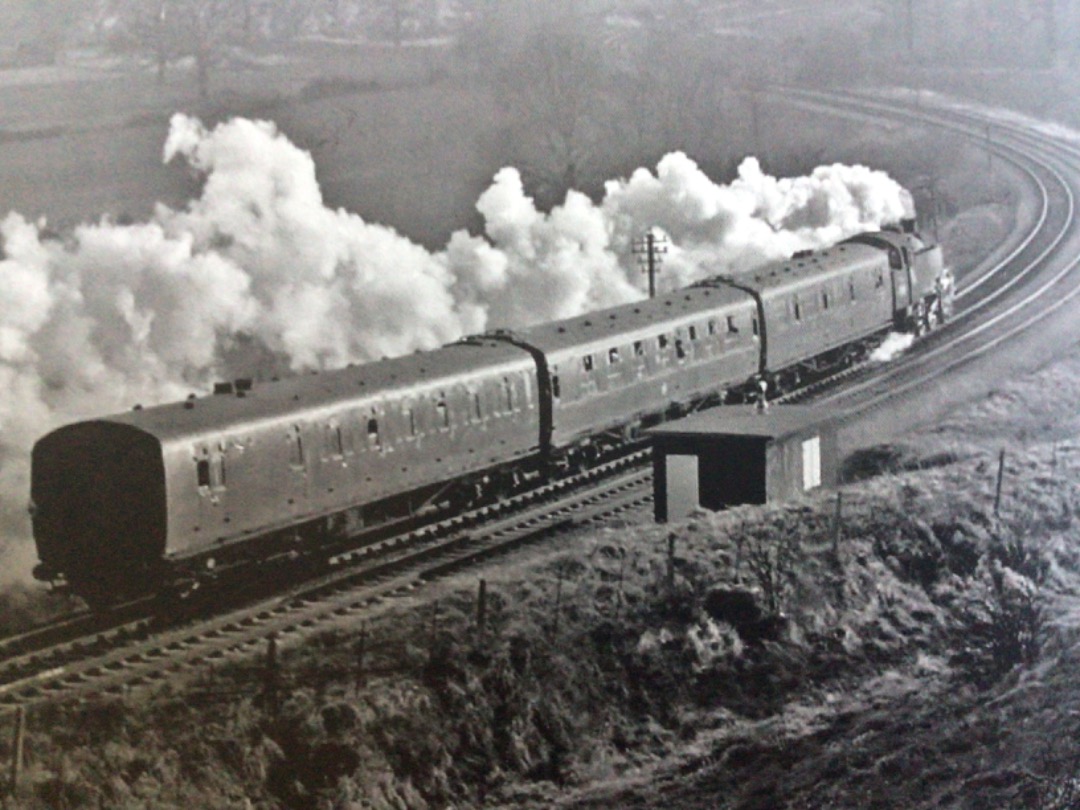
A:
{"points": [[625, 321], [806, 268], [305, 395]]}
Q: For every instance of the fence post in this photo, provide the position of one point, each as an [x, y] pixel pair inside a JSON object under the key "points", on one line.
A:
{"points": [[361, 651], [17, 742], [270, 676], [1000, 476], [434, 628], [558, 603], [671, 565], [619, 593], [740, 542], [837, 523], [481, 605]]}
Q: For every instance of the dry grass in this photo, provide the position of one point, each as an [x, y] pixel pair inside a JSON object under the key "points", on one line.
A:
{"points": [[608, 654]]}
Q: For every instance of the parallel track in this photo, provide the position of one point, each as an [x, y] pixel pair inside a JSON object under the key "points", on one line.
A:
{"points": [[146, 650], [1040, 276]]}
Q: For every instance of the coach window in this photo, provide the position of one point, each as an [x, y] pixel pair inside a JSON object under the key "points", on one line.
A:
{"points": [[693, 333], [851, 288], [712, 326], [639, 348], [880, 280], [731, 327], [508, 391], [410, 419], [587, 362], [478, 411], [798, 309], [296, 447], [202, 473], [442, 413], [334, 441], [555, 389], [345, 441], [754, 324], [662, 341], [217, 472], [613, 356], [824, 299], [680, 349], [373, 439]]}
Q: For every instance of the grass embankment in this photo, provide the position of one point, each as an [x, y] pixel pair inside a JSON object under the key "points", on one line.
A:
{"points": [[767, 662]]}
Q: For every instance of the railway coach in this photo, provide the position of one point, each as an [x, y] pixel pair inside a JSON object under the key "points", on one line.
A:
{"points": [[180, 492]]}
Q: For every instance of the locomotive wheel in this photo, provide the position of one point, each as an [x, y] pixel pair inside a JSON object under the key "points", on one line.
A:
{"points": [[918, 320]]}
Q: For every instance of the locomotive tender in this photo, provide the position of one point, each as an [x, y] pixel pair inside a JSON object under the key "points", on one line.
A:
{"points": [[155, 499]]}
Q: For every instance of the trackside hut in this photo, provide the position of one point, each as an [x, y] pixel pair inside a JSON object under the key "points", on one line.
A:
{"points": [[738, 455]]}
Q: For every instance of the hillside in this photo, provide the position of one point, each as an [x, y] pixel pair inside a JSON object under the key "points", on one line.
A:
{"points": [[922, 658]]}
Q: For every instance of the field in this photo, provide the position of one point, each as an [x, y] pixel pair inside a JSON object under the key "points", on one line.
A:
{"points": [[84, 142], [402, 136]]}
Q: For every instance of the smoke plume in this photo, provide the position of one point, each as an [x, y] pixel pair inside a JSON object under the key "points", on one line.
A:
{"points": [[109, 315], [894, 345]]}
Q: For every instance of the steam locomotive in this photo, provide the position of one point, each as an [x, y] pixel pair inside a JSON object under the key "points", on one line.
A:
{"points": [[168, 497]]}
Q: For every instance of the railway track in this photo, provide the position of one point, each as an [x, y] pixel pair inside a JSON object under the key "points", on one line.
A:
{"points": [[82, 656], [149, 650]]}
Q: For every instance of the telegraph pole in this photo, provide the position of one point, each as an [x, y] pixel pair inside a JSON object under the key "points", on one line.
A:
{"points": [[649, 249]]}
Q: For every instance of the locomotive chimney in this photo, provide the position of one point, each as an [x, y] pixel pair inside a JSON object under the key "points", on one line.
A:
{"points": [[907, 225]]}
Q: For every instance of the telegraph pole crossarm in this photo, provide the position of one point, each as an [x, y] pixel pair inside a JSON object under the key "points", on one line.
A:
{"points": [[649, 249]]}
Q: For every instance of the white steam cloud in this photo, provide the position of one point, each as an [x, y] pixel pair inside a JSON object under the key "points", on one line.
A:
{"points": [[894, 345], [110, 315]]}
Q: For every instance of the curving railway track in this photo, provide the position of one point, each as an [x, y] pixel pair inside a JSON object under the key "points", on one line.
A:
{"points": [[147, 649], [1036, 277], [1034, 274]]}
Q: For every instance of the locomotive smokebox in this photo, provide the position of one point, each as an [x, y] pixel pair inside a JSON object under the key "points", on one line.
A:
{"points": [[738, 455]]}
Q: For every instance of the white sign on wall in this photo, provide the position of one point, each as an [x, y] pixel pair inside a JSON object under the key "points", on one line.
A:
{"points": [[811, 463], [682, 486]]}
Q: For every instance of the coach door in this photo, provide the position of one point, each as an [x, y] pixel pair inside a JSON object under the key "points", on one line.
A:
{"points": [[298, 483], [901, 278]]}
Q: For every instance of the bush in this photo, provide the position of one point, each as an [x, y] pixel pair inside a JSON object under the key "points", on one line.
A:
{"points": [[1004, 625]]}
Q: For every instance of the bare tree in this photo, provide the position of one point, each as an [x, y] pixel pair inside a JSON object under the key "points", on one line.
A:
{"points": [[394, 17], [284, 19], [562, 100], [551, 80], [173, 29], [45, 27], [673, 81], [206, 28], [143, 29]]}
